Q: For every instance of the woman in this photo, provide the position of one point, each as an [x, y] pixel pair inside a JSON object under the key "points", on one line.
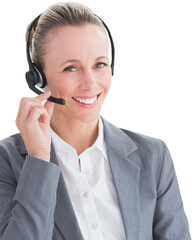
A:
{"points": [[70, 174]]}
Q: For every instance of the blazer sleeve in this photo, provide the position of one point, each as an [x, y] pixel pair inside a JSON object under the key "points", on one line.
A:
{"points": [[170, 222], [27, 207]]}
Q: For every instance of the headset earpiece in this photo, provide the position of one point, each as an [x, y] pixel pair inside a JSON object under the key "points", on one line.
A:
{"points": [[40, 77], [35, 77]]}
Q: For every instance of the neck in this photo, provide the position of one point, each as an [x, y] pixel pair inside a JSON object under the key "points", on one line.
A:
{"points": [[80, 135]]}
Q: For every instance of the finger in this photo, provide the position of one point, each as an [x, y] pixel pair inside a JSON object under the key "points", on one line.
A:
{"points": [[26, 107], [43, 96], [49, 106], [34, 115]]}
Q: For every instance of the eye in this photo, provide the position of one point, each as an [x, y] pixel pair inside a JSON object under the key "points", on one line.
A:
{"points": [[100, 65], [70, 69]]}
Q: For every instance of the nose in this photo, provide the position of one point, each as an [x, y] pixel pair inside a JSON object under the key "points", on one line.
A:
{"points": [[88, 80]]}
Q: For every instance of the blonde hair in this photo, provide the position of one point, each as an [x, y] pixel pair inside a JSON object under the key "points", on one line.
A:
{"points": [[56, 16]]}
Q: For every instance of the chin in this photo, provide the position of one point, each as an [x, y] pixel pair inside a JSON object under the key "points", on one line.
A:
{"points": [[87, 117]]}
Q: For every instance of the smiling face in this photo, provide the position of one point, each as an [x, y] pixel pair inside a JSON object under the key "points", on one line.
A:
{"points": [[77, 68]]}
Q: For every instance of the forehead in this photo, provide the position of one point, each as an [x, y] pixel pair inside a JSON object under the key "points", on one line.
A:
{"points": [[74, 41]]}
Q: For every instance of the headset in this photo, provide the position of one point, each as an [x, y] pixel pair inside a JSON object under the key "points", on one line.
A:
{"points": [[35, 76]]}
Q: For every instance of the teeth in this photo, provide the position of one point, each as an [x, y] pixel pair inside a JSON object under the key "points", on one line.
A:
{"points": [[86, 100]]}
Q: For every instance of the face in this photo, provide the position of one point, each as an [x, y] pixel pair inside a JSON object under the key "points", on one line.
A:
{"points": [[77, 68]]}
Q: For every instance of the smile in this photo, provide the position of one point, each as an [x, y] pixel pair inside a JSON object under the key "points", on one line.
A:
{"points": [[86, 100]]}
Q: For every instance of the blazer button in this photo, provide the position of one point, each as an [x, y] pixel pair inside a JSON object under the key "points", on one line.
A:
{"points": [[94, 225], [86, 194]]}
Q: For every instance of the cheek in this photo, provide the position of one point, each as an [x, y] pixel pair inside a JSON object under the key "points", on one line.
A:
{"points": [[61, 88], [57, 84], [107, 82]]}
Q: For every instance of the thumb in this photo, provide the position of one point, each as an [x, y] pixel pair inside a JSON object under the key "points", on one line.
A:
{"points": [[49, 106]]}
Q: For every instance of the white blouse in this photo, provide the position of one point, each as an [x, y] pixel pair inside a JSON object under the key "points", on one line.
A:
{"points": [[91, 188]]}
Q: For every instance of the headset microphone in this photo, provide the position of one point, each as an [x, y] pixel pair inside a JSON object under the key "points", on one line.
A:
{"points": [[35, 77]]}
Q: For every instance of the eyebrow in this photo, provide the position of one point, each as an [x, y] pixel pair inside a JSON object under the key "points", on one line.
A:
{"points": [[99, 58], [77, 61]]}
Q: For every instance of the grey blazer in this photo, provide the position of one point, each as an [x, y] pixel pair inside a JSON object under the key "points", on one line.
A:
{"points": [[35, 204]]}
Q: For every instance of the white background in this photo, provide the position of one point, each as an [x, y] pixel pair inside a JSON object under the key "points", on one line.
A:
{"points": [[151, 90]]}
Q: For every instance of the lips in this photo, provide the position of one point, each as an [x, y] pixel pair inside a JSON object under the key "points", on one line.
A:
{"points": [[87, 100]]}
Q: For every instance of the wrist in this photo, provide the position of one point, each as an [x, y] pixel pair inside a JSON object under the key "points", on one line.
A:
{"points": [[45, 158]]}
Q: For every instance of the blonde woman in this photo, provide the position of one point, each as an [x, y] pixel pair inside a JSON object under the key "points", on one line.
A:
{"points": [[70, 174]]}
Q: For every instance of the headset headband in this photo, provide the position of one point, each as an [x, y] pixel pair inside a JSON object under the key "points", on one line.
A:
{"points": [[104, 24], [28, 43]]}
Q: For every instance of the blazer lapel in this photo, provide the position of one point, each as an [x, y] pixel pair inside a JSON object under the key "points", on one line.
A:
{"points": [[124, 161], [65, 220]]}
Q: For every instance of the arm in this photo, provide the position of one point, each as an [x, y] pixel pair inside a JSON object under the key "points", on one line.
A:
{"points": [[27, 204], [27, 209], [170, 222]]}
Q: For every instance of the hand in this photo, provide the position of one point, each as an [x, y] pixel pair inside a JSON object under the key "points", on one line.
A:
{"points": [[36, 133]]}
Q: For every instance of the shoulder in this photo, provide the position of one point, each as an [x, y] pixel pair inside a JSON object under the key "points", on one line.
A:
{"points": [[144, 142], [144, 150], [152, 151], [126, 138]]}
